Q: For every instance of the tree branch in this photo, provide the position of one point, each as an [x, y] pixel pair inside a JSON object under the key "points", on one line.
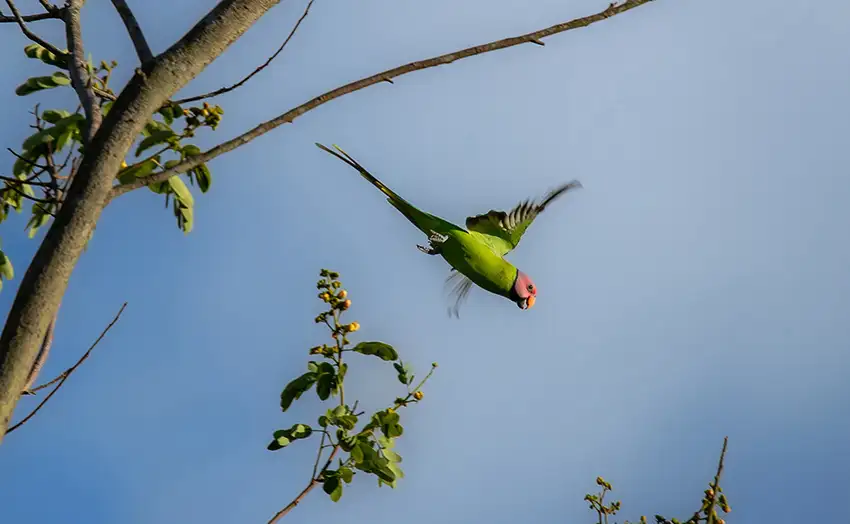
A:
{"points": [[16, 16], [45, 281], [30, 18], [313, 483], [42, 354], [67, 373], [240, 83], [135, 31], [77, 68], [386, 76]]}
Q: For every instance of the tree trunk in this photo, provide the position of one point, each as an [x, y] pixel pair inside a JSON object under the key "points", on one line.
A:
{"points": [[46, 279]]}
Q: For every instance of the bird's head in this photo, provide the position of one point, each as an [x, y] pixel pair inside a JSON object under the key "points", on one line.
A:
{"points": [[524, 292]]}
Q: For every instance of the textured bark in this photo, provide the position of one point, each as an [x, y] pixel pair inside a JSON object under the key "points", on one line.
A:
{"points": [[46, 279]]}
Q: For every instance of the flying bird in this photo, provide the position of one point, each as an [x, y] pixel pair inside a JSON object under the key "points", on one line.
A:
{"points": [[476, 254]]}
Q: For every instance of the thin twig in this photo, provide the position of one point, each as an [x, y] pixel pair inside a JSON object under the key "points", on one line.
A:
{"points": [[292, 114], [297, 500], [709, 518], [240, 83], [77, 68], [31, 18], [27, 160], [43, 352], [34, 199], [67, 372], [29, 34], [143, 50], [29, 182]]}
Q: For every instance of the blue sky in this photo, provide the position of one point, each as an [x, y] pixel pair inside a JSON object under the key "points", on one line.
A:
{"points": [[697, 287]]}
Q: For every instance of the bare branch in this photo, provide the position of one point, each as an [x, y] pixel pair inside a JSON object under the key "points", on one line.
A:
{"points": [[42, 354], [29, 34], [67, 373], [136, 35], [52, 15], [312, 484], [77, 67], [240, 83], [386, 76]]}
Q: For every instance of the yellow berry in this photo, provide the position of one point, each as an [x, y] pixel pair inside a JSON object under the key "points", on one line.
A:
{"points": [[418, 395], [727, 509], [345, 305], [354, 326], [123, 164], [342, 294]]}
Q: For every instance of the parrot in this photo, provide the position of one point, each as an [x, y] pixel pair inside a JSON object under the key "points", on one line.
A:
{"points": [[475, 254]]}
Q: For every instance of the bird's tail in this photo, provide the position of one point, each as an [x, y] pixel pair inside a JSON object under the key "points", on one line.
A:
{"points": [[419, 218]]}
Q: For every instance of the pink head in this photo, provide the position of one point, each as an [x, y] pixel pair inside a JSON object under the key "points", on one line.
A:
{"points": [[524, 292]]}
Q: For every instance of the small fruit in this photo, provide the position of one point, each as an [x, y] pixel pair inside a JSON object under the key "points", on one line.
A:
{"points": [[345, 304], [418, 395], [123, 164], [342, 294], [354, 326]]}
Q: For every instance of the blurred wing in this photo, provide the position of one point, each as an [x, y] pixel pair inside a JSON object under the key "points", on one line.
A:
{"points": [[503, 231], [460, 291]]}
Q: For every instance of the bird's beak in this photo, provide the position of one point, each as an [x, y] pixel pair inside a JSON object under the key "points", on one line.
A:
{"points": [[526, 303]]}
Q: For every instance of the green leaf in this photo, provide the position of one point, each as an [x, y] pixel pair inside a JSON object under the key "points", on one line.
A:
{"points": [[37, 139], [346, 474], [38, 83], [6, 269], [392, 456], [161, 136], [279, 442], [404, 370], [38, 52], [299, 431], [181, 191], [143, 169], [326, 380], [153, 126], [295, 389], [40, 217], [54, 115], [191, 150], [333, 487], [386, 443], [357, 455], [379, 349], [203, 176]]}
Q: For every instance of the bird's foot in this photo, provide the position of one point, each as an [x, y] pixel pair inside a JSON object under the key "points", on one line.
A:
{"points": [[436, 240]]}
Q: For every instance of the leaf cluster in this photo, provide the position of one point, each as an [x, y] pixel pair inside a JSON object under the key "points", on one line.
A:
{"points": [[712, 501], [38, 176], [360, 444]]}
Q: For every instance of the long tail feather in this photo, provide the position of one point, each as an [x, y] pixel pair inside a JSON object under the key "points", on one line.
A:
{"points": [[417, 217]]}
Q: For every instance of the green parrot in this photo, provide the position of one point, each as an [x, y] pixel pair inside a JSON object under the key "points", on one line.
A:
{"points": [[476, 254]]}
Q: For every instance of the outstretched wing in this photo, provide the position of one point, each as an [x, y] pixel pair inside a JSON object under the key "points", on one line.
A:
{"points": [[459, 292], [503, 231]]}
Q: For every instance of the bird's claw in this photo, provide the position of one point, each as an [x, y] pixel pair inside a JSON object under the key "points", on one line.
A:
{"points": [[435, 239]]}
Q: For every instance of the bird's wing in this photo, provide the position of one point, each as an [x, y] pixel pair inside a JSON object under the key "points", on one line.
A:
{"points": [[460, 291], [503, 231]]}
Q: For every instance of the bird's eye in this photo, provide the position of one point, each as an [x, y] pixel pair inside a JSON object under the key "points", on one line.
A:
{"points": [[531, 287]]}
